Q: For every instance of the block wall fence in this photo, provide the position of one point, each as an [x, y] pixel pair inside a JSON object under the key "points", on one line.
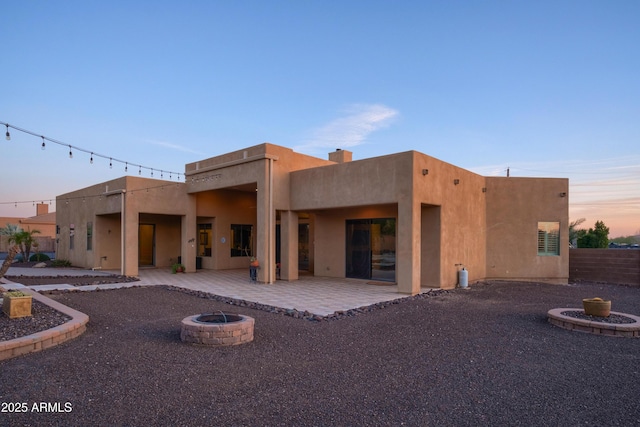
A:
{"points": [[605, 265]]}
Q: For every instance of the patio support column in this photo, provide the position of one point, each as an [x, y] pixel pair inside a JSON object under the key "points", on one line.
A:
{"points": [[408, 249], [188, 236], [266, 228], [130, 229], [289, 245]]}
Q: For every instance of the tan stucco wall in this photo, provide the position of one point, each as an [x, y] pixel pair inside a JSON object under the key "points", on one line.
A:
{"points": [[102, 205], [515, 206], [446, 217], [252, 173], [226, 207], [329, 236], [399, 180]]}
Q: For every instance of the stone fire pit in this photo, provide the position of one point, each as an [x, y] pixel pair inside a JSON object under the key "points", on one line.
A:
{"points": [[220, 329]]}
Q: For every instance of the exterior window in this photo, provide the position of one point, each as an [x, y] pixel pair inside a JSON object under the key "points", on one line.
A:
{"points": [[89, 236], [548, 238], [204, 240], [241, 240]]}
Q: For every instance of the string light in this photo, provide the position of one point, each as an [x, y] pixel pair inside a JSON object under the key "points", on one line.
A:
{"points": [[92, 153], [91, 159], [126, 167], [66, 200]]}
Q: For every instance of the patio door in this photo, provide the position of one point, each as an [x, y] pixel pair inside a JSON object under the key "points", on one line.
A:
{"points": [[371, 249], [146, 244]]}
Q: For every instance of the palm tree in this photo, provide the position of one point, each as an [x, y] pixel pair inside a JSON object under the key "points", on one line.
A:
{"points": [[573, 231], [10, 230], [24, 240]]}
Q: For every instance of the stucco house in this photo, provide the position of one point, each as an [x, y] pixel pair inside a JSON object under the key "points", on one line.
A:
{"points": [[406, 218], [44, 221]]}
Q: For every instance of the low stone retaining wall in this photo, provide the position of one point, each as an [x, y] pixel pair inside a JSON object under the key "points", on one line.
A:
{"points": [[49, 338], [629, 330]]}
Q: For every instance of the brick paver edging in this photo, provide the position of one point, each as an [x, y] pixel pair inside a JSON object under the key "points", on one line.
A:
{"points": [[217, 334], [631, 330], [49, 338]]}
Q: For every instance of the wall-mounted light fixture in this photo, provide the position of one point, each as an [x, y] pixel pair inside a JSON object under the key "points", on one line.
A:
{"points": [[563, 194], [456, 181], [484, 189], [425, 171]]}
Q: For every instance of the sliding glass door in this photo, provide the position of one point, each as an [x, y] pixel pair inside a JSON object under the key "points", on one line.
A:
{"points": [[371, 249]]}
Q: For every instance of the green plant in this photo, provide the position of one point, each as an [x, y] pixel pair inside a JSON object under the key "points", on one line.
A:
{"points": [[61, 263], [10, 230], [597, 237], [24, 240], [39, 257], [177, 268], [15, 294]]}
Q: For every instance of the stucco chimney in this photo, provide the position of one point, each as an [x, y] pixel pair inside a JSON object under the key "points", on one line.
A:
{"points": [[340, 156], [42, 209]]}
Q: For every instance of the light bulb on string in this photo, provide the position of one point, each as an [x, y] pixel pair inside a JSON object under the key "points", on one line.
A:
{"points": [[71, 147]]}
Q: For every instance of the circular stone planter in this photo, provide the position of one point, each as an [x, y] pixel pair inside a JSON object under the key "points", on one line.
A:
{"points": [[631, 329], [217, 329]]}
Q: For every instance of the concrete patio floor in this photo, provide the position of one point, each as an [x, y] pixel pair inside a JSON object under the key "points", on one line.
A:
{"points": [[318, 295]]}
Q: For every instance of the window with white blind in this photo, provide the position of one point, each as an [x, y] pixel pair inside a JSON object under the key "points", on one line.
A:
{"points": [[548, 238]]}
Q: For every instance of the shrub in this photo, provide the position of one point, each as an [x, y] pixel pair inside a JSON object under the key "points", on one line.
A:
{"points": [[39, 258], [15, 294], [61, 263]]}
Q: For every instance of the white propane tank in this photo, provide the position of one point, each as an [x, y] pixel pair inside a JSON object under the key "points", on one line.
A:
{"points": [[463, 278]]}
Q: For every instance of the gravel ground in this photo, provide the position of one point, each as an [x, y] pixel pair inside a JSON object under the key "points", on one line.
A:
{"points": [[483, 356], [42, 317]]}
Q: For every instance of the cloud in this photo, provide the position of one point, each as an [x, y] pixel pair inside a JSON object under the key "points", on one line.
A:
{"points": [[606, 188], [174, 146], [352, 129]]}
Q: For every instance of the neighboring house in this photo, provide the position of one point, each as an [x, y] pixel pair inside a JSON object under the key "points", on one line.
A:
{"points": [[406, 218], [44, 222]]}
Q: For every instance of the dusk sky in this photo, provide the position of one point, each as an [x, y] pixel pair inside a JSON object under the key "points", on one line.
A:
{"points": [[544, 88]]}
